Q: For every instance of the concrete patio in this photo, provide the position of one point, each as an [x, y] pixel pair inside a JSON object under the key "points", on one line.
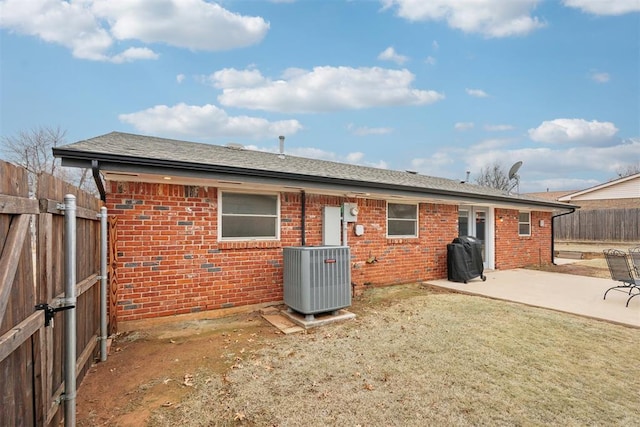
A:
{"points": [[567, 293]]}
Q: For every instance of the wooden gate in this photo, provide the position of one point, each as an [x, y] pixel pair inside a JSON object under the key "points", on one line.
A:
{"points": [[31, 273]]}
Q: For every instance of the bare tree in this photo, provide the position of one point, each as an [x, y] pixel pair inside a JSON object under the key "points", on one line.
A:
{"points": [[32, 149], [493, 176], [628, 170]]}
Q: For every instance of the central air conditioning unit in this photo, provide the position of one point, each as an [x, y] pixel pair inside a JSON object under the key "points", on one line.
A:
{"points": [[317, 279]]}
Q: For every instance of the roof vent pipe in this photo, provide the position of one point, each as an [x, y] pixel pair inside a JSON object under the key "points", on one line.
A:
{"points": [[281, 146]]}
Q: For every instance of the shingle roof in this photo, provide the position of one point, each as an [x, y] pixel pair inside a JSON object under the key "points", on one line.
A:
{"points": [[149, 150], [548, 195]]}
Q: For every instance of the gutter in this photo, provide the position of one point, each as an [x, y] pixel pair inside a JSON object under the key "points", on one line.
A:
{"points": [[95, 169], [553, 236]]}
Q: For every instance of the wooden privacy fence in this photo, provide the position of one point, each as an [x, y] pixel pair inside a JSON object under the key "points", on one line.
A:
{"points": [[31, 355], [612, 225]]}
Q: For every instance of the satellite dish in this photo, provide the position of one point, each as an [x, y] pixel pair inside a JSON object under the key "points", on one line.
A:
{"points": [[513, 176], [514, 170]]}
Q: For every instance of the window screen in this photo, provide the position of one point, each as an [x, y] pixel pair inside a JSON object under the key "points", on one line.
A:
{"points": [[249, 216], [402, 220], [524, 223]]}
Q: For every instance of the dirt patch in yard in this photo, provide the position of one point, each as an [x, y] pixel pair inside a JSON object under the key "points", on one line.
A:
{"points": [[596, 267], [155, 368]]}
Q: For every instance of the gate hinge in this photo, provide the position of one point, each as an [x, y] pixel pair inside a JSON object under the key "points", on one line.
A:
{"points": [[50, 311], [61, 206], [64, 396]]}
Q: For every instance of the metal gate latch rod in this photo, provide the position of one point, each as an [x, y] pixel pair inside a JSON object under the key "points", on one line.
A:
{"points": [[50, 311]]}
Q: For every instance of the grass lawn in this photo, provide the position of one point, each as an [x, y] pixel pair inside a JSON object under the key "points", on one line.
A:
{"points": [[414, 356]]}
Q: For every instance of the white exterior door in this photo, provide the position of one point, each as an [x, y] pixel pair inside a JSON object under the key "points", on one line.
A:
{"points": [[478, 222]]}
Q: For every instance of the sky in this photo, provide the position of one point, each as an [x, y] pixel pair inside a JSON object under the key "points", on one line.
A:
{"points": [[440, 87]]}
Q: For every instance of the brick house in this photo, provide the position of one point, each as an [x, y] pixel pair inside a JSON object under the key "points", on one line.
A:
{"points": [[203, 227]]}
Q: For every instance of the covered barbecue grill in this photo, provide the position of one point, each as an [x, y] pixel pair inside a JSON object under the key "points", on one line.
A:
{"points": [[464, 259]]}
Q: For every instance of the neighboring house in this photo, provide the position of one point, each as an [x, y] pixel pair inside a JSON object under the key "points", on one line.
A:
{"points": [[203, 227], [620, 193], [609, 212]]}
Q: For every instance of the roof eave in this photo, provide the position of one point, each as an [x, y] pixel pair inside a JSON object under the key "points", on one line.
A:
{"points": [[84, 159]]}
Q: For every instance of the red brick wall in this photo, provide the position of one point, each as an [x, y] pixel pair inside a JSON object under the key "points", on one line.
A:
{"points": [[401, 260], [513, 250], [170, 260]]}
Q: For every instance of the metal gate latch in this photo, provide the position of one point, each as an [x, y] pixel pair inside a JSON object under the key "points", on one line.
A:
{"points": [[50, 311]]}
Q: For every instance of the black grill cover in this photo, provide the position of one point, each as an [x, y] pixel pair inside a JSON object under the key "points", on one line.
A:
{"points": [[464, 259]]}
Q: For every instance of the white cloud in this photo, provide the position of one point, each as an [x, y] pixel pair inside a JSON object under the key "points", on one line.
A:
{"points": [[430, 60], [605, 7], [491, 18], [230, 78], [206, 121], [89, 28], [293, 72], [180, 78], [390, 54], [558, 184], [72, 25], [435, 165], [322, 89], [574, 131], [435, 45], [191, 24], [462, 126], [600, 77], [556, 166], [133, 54], [312, 153], [364, 130], [355, 157], [477, 93], [498, 128], [492, 144], [380, 164]]}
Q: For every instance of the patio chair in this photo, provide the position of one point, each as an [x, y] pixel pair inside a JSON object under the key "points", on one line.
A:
{"points": [[621, 271], [634, 254]]}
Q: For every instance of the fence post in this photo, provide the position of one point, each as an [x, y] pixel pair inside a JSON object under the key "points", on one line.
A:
{"points": [[103, 284], [70, 315]]}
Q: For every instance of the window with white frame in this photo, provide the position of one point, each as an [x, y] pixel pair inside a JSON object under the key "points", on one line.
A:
{"points": [[524, 223], [245, 216], [402, 220]]}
